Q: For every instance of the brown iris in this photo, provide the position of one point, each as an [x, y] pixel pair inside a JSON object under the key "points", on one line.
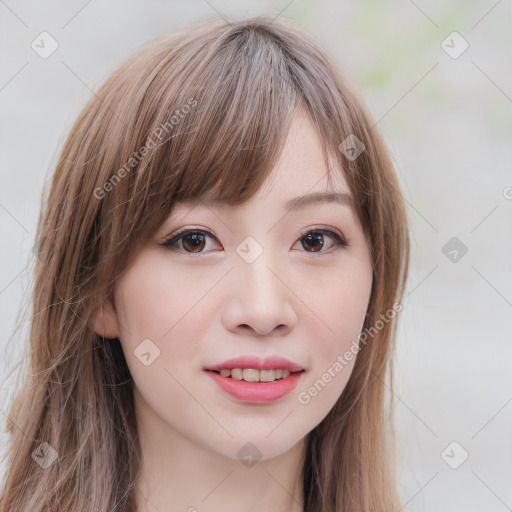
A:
{"points": [[197, 241], [316, 238]]}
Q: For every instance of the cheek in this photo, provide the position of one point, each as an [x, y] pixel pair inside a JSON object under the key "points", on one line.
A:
{"points": [[163, 319], [157, 298], [335, 319], [339, 300], [157, 303]]}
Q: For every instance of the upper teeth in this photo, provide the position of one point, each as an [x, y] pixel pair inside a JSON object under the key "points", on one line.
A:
{"points": [[253, 375]]}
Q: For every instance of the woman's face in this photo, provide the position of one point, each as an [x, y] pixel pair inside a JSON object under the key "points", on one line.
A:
{"points": [[258, 288]]}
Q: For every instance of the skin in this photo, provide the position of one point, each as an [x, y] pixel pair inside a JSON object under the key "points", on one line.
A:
{"points": [[202, 308]]}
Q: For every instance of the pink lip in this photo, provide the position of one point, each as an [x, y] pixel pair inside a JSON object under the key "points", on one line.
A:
{"points": [[258, 364], [256, 392]]}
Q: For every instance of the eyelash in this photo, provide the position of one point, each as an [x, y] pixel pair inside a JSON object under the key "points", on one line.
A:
{"points": [[339, 241]]}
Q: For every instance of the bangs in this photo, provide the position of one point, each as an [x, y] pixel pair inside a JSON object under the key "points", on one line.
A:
{"points": [[231, 137], [212, 109]]}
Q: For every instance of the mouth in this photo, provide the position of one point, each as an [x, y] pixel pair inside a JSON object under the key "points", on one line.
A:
{"points": [[255, 375], [256, 386]]}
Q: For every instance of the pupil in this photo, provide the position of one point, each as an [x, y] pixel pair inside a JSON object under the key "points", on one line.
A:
{"points": [[196, 237], [317, 237]]}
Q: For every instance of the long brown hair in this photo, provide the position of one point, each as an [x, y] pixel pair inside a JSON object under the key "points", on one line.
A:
{"points": [[204, 110]]}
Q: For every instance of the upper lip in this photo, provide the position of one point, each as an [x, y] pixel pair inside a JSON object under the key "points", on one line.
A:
{"points": [[269, 363]]}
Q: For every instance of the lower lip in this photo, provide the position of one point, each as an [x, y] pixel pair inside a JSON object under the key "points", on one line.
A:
{"points": [[256, 392]]}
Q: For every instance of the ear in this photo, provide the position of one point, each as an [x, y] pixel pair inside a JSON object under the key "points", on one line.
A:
{"points": [[105, 322]]}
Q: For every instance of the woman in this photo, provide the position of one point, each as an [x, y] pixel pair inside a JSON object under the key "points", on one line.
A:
{"points": [[221, 257]]}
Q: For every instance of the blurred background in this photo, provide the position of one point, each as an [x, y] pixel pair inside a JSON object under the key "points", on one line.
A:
{"points": [[437, 78]]}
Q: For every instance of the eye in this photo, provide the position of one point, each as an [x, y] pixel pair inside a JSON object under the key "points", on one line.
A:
{"points": [[314, 239], [193, 241]]}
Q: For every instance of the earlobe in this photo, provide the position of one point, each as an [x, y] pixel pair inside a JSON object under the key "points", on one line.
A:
{"points": [[105, 321]]}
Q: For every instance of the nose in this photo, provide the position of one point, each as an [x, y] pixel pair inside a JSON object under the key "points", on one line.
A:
{"points": [[259, 299]]}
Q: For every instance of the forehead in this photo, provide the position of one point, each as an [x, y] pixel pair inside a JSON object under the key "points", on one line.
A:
{"points": [[299, 178], [302, 164]]}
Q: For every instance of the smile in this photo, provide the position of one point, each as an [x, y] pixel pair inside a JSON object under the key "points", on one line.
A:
{"points": [[255, 375], [256, 392]]}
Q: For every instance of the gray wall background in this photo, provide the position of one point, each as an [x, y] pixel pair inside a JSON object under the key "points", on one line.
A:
{"points": [[448, 121]]}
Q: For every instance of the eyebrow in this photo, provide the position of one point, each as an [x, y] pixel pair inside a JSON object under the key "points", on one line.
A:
{"points": [[298, 203]]}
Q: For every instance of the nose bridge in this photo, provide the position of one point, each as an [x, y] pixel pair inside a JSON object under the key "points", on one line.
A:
{"points": [[253, 268], [262, 298]]}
